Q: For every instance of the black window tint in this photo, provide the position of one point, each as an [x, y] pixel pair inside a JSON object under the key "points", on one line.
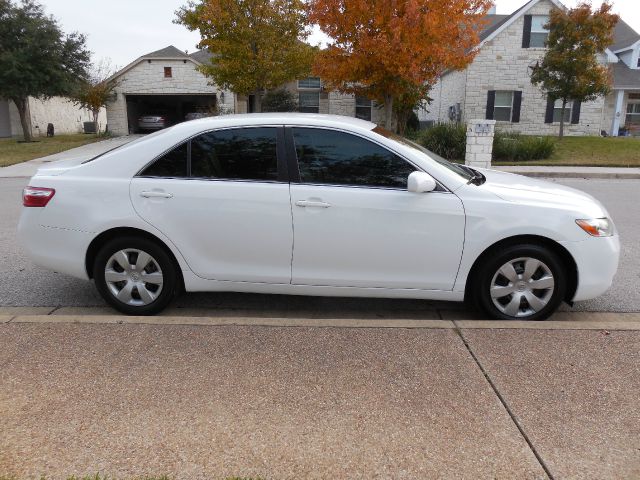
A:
{"points": [[171, 164], [330, 157], [242, 154]]}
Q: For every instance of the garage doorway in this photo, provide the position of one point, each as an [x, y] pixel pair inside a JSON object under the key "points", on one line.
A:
{"points": [[174, 107], [5, 119]]}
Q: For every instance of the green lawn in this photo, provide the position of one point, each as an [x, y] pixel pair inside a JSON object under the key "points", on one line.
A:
{"points": [[12, 151], [592, 152]]}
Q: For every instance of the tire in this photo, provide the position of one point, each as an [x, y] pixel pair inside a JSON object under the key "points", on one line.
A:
{"points": [[506, 293], [135, 275]]}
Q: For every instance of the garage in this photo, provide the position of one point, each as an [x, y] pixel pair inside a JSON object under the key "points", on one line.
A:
{"points": [[5, 119], [173, 107], [168, 83]]}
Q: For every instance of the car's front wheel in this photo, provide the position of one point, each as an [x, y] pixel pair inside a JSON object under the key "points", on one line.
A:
{"points": [[521, 282], [135, 275]]}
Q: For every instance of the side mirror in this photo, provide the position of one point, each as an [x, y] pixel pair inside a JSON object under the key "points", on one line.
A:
{"points": [[420, 182]]}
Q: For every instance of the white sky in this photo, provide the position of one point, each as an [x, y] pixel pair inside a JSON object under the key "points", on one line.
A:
{"points": [[122, 30]]}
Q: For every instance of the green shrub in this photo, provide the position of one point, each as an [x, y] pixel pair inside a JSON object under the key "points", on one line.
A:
{"points": [[516, 147], [448, 140]]}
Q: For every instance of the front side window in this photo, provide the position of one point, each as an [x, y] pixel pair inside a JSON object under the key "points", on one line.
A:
{"points": [[557, 111], [309, 102], [236, 154], [539, 33], [172, 164], [363, 108], [338, 158], [502, 106]]}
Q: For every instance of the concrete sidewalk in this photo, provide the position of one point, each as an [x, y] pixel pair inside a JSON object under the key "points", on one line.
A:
{"points": [[195, 397]]}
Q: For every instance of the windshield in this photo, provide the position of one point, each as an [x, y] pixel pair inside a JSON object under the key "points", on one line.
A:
{"points": [[461, 170]]}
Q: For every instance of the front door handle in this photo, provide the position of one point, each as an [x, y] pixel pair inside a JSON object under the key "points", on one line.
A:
{"points": [[155, 194], [311, 203]]}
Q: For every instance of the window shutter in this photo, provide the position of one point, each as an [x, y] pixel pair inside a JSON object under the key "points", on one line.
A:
{"points": [[517, 103], [575, 112], [491, 101], [548, 117], [526, 33]]}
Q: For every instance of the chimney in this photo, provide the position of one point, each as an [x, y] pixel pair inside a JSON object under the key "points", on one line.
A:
{"points": [[492, 10]]}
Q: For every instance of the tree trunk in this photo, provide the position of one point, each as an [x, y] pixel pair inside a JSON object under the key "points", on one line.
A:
{"points": [[21, 105], [96, 113], [388, 112], [564, 105], [257, 102]]}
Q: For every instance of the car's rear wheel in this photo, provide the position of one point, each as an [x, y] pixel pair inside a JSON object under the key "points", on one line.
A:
{"points": [[135, 275], [521, 282]]}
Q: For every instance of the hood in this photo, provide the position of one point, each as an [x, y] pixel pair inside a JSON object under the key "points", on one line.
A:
{"points": [[526, 190]]}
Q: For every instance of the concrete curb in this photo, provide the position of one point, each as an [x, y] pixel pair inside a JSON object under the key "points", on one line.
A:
{"points": [[612, 322], [616, 173]]}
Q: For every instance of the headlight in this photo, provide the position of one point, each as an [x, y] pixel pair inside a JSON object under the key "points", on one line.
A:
{"points": [[597, 227]]}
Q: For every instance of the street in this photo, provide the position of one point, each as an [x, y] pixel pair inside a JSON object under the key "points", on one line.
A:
{"points": [[23, 284]]}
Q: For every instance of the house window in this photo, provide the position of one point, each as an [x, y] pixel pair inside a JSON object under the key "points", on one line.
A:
{"points": [[638, 65], [502, 106], [363, 108], [167, 72], [633, 113], [309, 102], [309, 82], [557, 111], [539, 34]]}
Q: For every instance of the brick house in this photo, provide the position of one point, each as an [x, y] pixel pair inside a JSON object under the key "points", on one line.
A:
{"points": [[169, 81], [497, 85]]}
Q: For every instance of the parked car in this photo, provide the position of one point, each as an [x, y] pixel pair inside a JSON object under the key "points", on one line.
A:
{"points": [[196, 116], [153, 121], [313, 205]]}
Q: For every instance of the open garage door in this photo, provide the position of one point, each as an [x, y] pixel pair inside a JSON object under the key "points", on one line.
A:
{"points": [[172, 107]]}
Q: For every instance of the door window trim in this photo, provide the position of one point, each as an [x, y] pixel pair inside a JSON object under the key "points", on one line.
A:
{"points": [[294, 167], [281, 157]]}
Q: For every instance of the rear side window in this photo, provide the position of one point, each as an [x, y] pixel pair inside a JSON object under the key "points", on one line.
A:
{"points": [[236, 154], [172, 164], [338, 158]]}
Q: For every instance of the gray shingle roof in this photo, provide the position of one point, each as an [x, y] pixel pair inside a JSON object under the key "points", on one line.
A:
{"points": [[201, 56], [624, 36], [494, 22], [625, 77], [167, 52]]}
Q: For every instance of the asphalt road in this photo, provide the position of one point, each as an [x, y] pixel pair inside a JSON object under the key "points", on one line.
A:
{"points": [[23, 284]]}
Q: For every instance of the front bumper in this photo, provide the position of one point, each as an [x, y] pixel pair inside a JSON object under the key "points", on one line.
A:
{"points": [[597, 261]]}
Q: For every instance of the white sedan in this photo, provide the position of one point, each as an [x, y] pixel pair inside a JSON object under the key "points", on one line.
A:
{"points": [[313, 205]]}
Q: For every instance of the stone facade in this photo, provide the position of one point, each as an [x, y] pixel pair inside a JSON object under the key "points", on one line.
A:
{"points": [[147, 77], [502, 64], [66, 116]]}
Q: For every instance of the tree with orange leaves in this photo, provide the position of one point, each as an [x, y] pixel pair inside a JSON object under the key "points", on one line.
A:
{"points": [[389, 49]]}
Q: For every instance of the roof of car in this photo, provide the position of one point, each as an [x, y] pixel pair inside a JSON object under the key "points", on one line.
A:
{"points": [[284, 118]]}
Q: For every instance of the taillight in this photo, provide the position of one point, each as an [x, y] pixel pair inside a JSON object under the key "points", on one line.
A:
{"points": [[37, 196]]}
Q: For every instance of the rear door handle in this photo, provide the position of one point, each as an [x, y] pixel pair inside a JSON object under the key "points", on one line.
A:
{"points": [[310, 203], [155, 194]]}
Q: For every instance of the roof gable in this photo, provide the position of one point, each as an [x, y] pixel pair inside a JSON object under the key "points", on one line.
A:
{"points": [[167, 53]]}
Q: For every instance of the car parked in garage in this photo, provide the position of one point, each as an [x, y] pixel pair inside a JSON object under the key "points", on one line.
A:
{"points": [[313, 205], [153, 121]]}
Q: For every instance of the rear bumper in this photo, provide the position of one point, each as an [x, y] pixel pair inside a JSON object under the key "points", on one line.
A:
{"points": [[597, 262], [58, 249]]}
